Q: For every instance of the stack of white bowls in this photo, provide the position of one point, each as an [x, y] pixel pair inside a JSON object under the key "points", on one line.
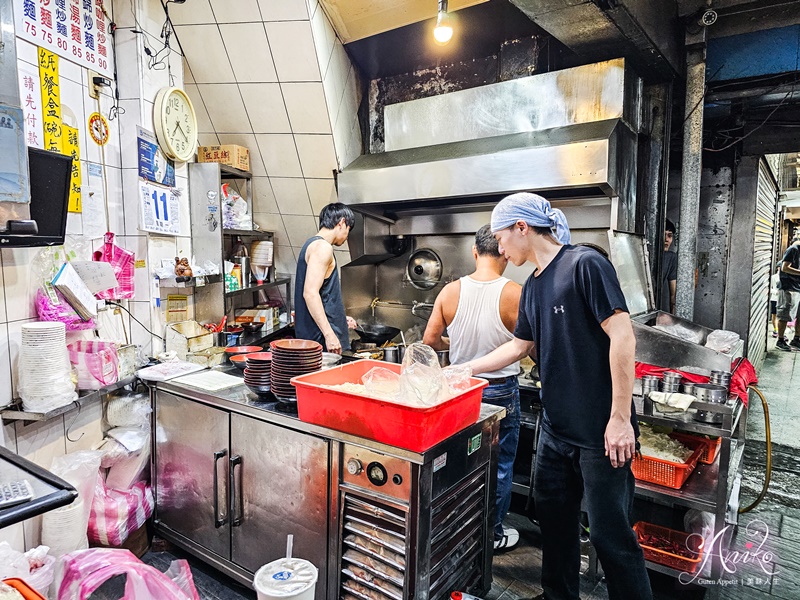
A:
{"points": [[261, 255], [44, 367], [64, 529]]}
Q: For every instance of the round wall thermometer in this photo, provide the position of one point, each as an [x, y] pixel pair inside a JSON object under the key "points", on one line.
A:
{"points": [[175, 124], [98, 128]]}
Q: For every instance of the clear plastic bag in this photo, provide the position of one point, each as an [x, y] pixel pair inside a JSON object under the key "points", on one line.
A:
{"points": [[380, 382], [81, 573], [35, 566], [722, 341], [81, 470], [458, 378]]}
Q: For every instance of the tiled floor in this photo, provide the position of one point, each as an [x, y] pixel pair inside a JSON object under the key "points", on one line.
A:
{"points": [[773, 526]]}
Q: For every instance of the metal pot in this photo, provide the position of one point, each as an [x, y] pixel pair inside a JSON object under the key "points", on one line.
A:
{"points": [[707, 392], [391, 354], [424, 269], [444, 358]]}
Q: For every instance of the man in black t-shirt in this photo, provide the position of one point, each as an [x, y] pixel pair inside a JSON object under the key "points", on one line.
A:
{"points": [[789, 296], [669, 271], [573, 316]]}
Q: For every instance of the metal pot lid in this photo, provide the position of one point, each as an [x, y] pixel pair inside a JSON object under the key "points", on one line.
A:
{"points": [[424, 269]]}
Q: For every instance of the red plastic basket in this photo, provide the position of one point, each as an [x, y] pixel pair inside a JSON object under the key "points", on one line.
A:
{"points": [[711, 445], [664, 472], [692, 542], [415, 429]]}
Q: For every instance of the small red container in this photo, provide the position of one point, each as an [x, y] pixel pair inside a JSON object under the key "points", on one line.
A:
{"points": [[23, 588], [415, 429]]}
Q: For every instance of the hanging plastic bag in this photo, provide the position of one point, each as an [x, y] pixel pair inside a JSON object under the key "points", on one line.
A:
{"points": [[722, 341], [50, 303], [81, 573], [122, 262]]}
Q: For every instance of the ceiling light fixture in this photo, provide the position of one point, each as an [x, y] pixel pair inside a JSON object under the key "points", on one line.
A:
{"points": [[443, 31]]}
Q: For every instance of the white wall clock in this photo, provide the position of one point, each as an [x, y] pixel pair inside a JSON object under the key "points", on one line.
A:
{"points": [[175, 124]]}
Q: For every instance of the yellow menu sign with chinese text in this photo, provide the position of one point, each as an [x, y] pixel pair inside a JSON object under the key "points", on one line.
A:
{"points": [[71, 148], [51, 101]]}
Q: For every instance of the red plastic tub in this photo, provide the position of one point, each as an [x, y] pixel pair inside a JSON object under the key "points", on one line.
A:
{"points": [[415, 429]]}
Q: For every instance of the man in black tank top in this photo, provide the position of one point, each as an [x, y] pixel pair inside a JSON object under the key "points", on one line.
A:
{"points": [[319, 309]]}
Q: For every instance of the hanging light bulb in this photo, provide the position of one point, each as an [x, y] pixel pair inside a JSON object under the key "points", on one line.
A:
{"points": [[443, 31]]}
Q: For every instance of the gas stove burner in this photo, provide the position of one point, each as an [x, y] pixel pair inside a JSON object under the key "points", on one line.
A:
{"points": [[359, 346]]}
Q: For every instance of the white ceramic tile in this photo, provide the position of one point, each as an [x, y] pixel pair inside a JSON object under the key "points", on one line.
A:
{"points": [[299, 228], [115, 201], [128, 49], [283, 10], [203, 120], [293, 50], [187, 72], [342, 257], [336, 76], [154, 78], [312, 5], [265, 107], [291, 196], [285, 261], [183, 247], [146, 117], [263, 196], [141, 275], [84, 427], [355, 144], [321, 192], [130, 195], [14, 342], [70, 70], [19, 289], [127, 132], [225, 108], [324, 38], [112, 151], [211, 139], [305, 103], [333, 98], [317, 155], [236, 11], [351, 96], [248, 140], [182, 191], [138, 335], [205, 53], [249, 52], [279, 154], [27, 52], [191, 13], [160, 247], [272, 222], [13, 535], [5, 367]]}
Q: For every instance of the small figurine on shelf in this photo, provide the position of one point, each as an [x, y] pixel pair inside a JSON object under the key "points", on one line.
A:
{"points": [[182, 268]]}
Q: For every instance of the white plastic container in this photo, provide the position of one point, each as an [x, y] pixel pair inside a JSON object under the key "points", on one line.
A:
{"points": [[286, 579]]}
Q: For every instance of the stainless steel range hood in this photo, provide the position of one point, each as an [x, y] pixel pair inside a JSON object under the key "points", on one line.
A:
{"points": [[566, 130], [588, 156]]}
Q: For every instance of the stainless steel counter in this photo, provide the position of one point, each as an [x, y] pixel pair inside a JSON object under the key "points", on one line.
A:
{"points": [[239, 399]]}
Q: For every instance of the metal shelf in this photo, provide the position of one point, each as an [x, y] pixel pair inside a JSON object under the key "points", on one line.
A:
{"points": [[17, 413], [256, 288], [256, 339], [673, 572], [228, 172], [698, 492], [685, 421], [171, 282], [247, 232]]}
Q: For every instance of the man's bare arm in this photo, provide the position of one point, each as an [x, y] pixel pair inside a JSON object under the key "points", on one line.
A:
{"points": [[318, 258], [436, 326], [673, 292], [787, 267], [508, 353]]}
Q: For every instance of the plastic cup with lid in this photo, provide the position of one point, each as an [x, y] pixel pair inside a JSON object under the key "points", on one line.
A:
{"points": [[286, 579]]}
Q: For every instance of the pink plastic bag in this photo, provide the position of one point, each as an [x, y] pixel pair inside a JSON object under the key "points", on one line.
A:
{"points": [[86, 570], [118, 513], [123, 262], [96, 362]]}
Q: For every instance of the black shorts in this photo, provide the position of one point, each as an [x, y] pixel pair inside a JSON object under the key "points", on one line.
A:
{"points": [[773, 307]]}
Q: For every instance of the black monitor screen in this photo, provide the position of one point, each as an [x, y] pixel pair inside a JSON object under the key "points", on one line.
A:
{"points": [[50, 182]]}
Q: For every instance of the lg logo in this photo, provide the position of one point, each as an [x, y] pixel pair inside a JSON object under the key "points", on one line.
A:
{"points": [[558, 309]]}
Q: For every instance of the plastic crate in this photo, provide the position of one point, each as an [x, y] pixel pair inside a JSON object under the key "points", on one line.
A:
{"points": [[663, 472], [709, 454], [693, 542], [415, 429], [23, 588]]}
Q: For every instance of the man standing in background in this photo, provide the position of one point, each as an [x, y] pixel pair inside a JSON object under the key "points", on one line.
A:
{"points": [[789, 295], [480, 314], [319, 308], [669, 270]]}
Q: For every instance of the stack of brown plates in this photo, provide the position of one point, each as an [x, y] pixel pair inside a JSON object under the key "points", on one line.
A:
{"points": [[291, 358], [257, 372]]}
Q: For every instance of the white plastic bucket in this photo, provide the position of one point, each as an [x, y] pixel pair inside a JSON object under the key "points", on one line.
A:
{"points": [[286, 579]]}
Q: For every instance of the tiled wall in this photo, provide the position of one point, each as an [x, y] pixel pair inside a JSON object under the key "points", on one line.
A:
{"points": [[80, 429], [271, 75]]}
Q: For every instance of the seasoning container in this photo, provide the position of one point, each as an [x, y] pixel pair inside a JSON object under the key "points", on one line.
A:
{"points": [[391, 354], [722, 378], [687, 387], [650, 384]]}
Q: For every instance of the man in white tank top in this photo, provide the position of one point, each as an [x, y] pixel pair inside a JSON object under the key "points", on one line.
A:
{"points": [[480, 314]]}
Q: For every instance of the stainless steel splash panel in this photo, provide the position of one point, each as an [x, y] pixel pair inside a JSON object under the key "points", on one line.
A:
{"points": [[584, 94], [628, 253], [590, 155]]}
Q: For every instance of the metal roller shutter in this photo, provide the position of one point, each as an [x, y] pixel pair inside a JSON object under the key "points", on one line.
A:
{"points": [[766, 203]]}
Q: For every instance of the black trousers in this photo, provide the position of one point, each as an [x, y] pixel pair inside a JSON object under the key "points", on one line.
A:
{"points": [[565, 475]]}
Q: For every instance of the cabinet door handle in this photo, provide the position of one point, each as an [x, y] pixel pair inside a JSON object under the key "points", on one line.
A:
{"points": [[218, 522], [236, 520]]}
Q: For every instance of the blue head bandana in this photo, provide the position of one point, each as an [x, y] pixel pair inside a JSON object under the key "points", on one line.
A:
{"points": [[533, 210]]}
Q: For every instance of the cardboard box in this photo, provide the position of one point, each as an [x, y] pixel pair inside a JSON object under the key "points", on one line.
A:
{"points": [[229, 154]]}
